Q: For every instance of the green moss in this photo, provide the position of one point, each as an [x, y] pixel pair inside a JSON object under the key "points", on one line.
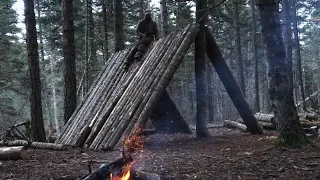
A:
{"points": [[292, 142]]}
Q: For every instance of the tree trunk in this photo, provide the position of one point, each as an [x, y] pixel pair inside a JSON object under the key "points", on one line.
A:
{"points": [[298, 54], [118, 25], [200, 70], [54, 97], [92, 44], [105, 30], [238, 47], [280, 74], [287, 34], [70, 99], [37, 125], [210, 90], [164, 17], [231, 85], [255, 58], [141, 8]]}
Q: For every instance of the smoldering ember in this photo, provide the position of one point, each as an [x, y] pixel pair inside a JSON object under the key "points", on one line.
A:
{"points": [[157, 90]]}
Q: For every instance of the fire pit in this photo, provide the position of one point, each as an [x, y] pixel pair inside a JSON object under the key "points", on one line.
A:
{"points": [[122, 168]]}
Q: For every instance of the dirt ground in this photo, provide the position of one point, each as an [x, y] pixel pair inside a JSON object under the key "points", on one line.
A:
{"points": [[227, 154]]}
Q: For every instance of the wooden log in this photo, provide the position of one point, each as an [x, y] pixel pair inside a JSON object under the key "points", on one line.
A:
{"points": [[167, 117], [309, 116], [116, 142], [35, 145], [64, 133], [141, 175], [156, 93], [310, 123], [230, 84], [74, 122], [308, 98], [139, 90], [13, 153], [80, 138], [111, 103], [124, 101], [235, 124], [264, 117], [264, 124], [105, 170]]}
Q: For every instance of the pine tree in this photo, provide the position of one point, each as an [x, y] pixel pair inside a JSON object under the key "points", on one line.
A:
{"points": [[37, 125], [281, 94], [70, 100], [200, 70]]}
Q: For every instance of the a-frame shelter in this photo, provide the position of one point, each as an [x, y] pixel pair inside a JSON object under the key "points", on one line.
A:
{"points": [[121, 101]]}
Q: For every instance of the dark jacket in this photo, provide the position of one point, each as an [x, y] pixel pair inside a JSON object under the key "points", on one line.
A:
{"points": [[148, 28]]}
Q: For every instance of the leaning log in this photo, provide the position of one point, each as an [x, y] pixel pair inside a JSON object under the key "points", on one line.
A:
{"points": [[35, 145], [235, 124], [105, 170], [13, 153], [230, 84]]}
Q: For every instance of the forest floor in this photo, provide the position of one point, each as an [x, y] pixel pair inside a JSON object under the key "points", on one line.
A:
{"points": [[227, 154]]}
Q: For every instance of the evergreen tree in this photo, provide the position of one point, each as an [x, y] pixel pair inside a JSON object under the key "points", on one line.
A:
{"points": [[37, 125]]}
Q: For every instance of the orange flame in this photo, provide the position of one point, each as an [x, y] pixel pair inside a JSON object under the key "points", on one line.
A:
{"points": [[135, 142], [125, 176]]}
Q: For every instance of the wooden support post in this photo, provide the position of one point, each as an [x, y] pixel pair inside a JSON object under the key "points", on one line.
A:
{"points": [[167, 117], [231, 85]]}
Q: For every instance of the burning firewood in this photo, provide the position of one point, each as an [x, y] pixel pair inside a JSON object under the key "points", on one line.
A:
{"points": [[105, 170]]}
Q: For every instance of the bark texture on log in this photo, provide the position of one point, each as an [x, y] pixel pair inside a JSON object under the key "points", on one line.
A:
{"points": [[235, 124], [231, 85], [36, 145], [13, 153]]}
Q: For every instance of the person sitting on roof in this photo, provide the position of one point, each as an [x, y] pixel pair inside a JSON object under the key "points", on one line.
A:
{"points": [[147, 31]]}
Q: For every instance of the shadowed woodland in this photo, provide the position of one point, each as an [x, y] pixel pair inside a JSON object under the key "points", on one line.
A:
{"points": [[225, 90]]}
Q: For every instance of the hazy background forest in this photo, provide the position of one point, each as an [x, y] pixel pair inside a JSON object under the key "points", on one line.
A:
{"points": [[233, 26]]}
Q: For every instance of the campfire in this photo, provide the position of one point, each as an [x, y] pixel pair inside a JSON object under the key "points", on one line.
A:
{"points": [[122, 168]]}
